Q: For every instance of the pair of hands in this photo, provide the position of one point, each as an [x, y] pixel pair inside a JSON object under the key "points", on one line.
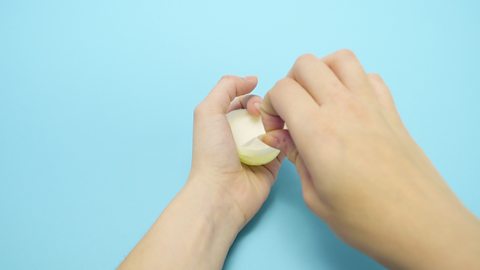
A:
{"points": [[360, 170]]}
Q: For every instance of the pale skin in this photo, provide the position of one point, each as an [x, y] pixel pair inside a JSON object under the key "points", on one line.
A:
{"points": [[360, 170]]}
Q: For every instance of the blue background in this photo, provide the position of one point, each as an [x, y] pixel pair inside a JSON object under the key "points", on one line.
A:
{"points": [[96, 101]]}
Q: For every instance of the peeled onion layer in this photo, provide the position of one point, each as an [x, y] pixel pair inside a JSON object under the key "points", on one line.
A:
{"points": [[247, 131]]}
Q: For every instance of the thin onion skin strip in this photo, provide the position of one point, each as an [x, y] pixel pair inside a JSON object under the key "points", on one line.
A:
{"points": [[257, 160]]}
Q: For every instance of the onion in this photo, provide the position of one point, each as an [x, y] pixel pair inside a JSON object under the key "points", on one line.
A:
{"points": [[247, 132]]}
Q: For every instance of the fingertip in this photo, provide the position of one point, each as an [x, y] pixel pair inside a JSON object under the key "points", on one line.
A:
{"points": [[282, 140], [279, 139], [253, 105], [271, 140], [250, 81], [254, 109]]}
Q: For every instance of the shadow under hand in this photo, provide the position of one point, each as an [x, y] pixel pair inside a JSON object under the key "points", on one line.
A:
{"points": [[309, 238]]}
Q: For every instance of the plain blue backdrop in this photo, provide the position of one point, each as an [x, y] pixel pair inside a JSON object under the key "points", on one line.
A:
{"points": [[96, 101]]}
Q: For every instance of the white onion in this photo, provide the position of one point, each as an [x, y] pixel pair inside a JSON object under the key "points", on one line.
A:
{"points": [[247, 132]]}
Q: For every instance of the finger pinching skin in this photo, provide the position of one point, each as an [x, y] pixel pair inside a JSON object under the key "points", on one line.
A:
{"points": [[247, 131]]}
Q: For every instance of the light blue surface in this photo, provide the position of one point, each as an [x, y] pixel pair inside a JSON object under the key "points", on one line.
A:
{"points": [[96, 101]]}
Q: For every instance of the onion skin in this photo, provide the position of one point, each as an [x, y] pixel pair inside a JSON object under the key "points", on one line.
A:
{"points": [[247, 130]]}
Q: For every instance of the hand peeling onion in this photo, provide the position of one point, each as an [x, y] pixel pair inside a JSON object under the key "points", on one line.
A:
{"points": [[247, 132]]}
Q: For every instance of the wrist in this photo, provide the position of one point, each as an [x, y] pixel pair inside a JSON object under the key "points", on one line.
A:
{"points": [[216, 207], [195, 231], [448, 242]]}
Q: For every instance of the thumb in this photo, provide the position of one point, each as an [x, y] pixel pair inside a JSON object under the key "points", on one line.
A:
{"points": [[281, 139]]}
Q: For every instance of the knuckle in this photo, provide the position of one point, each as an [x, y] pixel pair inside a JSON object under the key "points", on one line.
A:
{"points": [[356, 109], [199, 110], [280, 87], [376, 77], [304, 60], [227, 78], [328, 131], [346, 54], [284, 82], [307, 57], [352, 104], [340, 94]]}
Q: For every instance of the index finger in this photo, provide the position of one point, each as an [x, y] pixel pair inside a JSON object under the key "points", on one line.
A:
{"points": [[287, 102]]}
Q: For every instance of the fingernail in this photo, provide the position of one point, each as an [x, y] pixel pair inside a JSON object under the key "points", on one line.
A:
{"points": [[257, 105]]}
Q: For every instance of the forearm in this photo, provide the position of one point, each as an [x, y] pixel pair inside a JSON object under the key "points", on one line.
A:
{"points": [[456, 245], [194, 232], [440, 237]]}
